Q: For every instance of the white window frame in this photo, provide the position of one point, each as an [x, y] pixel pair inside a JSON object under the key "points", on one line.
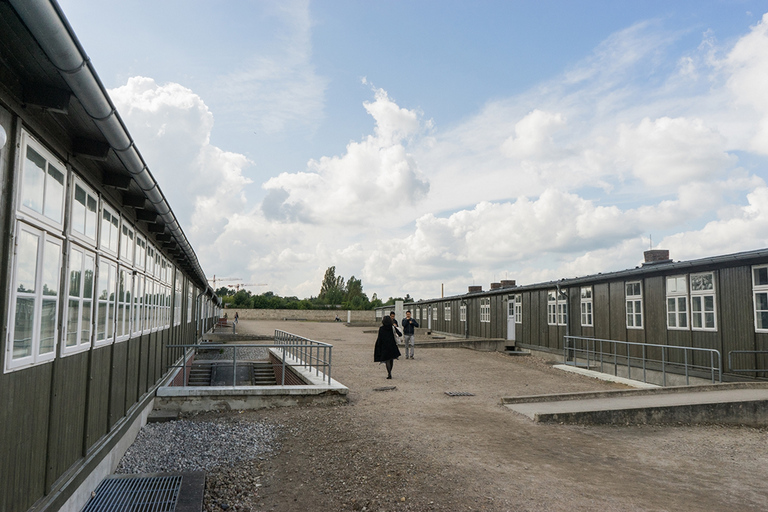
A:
{"points": [[127, 242], [463, 312], [26, 212], [177, 300], [140, 255], [109, 233], [702, 289], [633, 304], [85, 304], [149, 305], [416, 314], [760, 297], [107, 269], [90, 195], [557, 307], [137, 325], [45, 241], [519, 308], [190, 299], [124, 308], [587, 307], [485, 310], [677, 302], [447, 312]]}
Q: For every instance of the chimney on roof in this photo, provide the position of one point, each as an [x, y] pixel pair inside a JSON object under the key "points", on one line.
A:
{"points": [[656, 256], [475, 289], [508, 283], [495, 286]]}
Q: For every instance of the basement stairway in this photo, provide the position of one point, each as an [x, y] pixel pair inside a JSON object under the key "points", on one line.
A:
{"points": [[255, 373]]}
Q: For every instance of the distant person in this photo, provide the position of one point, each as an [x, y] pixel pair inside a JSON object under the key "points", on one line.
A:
{"points": [[409, 324], [398, 333], [237, 317], [338, 319], [386, 350]]}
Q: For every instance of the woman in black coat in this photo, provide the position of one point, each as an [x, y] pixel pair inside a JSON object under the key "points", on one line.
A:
{"points": [[386, 349]]}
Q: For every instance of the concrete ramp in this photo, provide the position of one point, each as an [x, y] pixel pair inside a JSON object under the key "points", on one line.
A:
{"points": [[734, 403]]}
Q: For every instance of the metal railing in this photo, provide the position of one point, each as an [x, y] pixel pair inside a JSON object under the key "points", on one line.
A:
{"points": [[620, 354], [312, 355], [745, 370]]}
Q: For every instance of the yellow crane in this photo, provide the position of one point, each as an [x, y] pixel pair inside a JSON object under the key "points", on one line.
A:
{"points": [[215, 280]]}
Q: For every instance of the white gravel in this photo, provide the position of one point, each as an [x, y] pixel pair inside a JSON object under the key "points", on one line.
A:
{"points": [[185, 445]]}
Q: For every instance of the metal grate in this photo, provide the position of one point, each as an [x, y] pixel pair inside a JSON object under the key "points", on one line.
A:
{"points": [[459, 393], [135, 494]]}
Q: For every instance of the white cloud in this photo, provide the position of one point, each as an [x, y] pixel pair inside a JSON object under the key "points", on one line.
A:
{"points": [[375, 178], [172, 127]]}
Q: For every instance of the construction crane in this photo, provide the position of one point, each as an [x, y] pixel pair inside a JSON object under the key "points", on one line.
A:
{"points": [[215, 280], [237, 286]]}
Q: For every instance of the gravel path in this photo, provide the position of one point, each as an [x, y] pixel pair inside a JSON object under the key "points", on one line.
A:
{"points": [[415, 448]]}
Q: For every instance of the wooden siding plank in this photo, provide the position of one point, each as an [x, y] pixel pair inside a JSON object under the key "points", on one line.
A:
{"points": [[67, 426], [735, 304], [117, 385], [98, 395]]}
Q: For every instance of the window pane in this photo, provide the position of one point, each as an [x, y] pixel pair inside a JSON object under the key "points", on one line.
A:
{"points": [[762, 320], [78, 210], [702, 282], [90, 218], [33, 181], [85, 324], [73, 316], [761, 300], [51, 260], [761, 276], [75, 273], [710, 320], [23, 327], [47, 326], [54, 194], [26, 261], [88, 277]]}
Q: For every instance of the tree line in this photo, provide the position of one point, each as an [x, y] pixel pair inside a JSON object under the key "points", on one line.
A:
{"points": [[335, 293]]}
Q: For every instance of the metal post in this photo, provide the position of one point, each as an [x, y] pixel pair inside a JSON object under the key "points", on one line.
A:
{"points": [[234, 367], [663, 366], [629, 365], [644, 375], [685, 353], [330, 353], [282, 380]]}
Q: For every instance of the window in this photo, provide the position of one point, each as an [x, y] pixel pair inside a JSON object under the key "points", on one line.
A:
{"points": [[105, 301], [557, 308], [43, 182], [634, 300], [463, 312], [150, 265], [190, 298], [138, 304], [141, 251], [416, 314], [677, 302], [518, 309], [703, 302], [760, 293], [35, 300], [149, 290], [80, 300], [177, 301], [127, 245], [85, 208], [110, 230], [485, 310], [586, 306], [447, 312], [124, 286]]}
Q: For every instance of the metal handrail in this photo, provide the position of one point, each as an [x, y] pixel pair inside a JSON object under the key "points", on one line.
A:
{"points": [[306, 353], [591, 349], [745, 370]]}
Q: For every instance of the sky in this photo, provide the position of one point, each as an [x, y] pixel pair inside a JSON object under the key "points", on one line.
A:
{"points": [[427, 146]]}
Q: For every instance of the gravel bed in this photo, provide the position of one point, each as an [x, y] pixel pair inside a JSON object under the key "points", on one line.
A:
{"points": [[186, 445], [243, 354]]}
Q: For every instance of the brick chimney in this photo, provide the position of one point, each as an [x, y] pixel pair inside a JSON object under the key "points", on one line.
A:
{"points": [[656, 256], [495, 286], [475, 289], [508, 283]]}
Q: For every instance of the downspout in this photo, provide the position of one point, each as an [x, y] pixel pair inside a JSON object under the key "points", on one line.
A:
{"points": [[50, 28], [466, 318]]}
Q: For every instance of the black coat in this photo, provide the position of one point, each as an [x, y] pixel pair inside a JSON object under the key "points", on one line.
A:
{"points": [[386, 346]]}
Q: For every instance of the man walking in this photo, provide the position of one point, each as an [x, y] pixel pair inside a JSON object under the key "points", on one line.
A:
{"points": [[408, 326]]}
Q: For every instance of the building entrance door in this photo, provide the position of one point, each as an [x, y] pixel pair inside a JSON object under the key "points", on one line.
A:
{"points": [[511, 318]]}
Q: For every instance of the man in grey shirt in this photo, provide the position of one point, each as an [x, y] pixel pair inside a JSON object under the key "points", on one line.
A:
{"points": [[409, 324]]}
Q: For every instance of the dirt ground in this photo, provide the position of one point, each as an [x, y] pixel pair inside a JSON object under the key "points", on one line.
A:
{"points": [[415, 448]]}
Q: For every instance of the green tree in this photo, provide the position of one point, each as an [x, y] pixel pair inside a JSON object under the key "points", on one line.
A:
{"points": [[332, 289]]}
